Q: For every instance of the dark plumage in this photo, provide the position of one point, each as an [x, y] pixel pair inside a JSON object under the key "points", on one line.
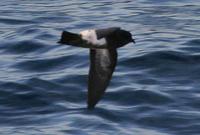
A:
{"points": [[103, 44]]}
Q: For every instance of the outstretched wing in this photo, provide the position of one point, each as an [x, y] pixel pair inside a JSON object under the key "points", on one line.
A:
{"points": [[102, 65]]}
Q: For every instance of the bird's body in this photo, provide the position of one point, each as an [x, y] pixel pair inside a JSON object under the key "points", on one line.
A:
{"points": [[103, 44]]}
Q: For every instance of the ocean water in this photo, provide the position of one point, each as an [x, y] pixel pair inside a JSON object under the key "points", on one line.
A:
{"points": [[155, 89]]}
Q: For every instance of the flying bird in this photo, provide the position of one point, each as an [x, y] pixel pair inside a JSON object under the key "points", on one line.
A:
{"points": [[103, 44]]}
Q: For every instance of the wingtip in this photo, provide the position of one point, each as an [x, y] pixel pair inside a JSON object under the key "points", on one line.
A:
{"points": [[93, 100], [91, 105]]}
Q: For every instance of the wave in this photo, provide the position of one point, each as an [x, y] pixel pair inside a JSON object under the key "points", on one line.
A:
{"points": [[25, 46], [165, 58], [41, 65], [14, 21], [130, 97]]}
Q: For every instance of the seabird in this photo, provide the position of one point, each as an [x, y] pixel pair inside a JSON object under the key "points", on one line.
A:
{"points": [[103, 44]]}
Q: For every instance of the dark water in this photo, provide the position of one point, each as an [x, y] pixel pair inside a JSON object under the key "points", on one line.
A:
{"points": [[154, 91]]}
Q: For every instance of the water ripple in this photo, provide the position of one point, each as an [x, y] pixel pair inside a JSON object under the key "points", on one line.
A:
{"points": [[154, 90]]}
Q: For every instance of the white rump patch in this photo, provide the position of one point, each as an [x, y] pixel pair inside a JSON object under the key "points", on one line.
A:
{"points": [[91, 37]]}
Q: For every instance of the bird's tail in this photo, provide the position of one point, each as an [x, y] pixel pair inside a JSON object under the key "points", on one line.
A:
{"points": [[69, 38]]}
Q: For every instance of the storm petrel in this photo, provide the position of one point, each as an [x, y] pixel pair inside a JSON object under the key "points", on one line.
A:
{"points": [[103, 44]]}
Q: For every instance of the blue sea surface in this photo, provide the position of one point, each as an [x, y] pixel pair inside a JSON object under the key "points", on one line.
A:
{"points": [[155, 89]]}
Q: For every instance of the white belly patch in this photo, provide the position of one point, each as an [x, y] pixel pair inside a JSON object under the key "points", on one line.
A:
{"points": [[91, 37]]}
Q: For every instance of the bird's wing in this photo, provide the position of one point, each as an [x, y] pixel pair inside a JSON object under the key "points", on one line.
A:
{"points": [[102, 33], [102, 65]]}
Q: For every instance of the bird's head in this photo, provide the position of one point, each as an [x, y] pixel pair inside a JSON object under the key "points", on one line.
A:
{"points": [[125, 36], [120, 38]]}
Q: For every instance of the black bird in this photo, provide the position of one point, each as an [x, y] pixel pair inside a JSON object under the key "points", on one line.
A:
{"points": [[103, 44]]}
